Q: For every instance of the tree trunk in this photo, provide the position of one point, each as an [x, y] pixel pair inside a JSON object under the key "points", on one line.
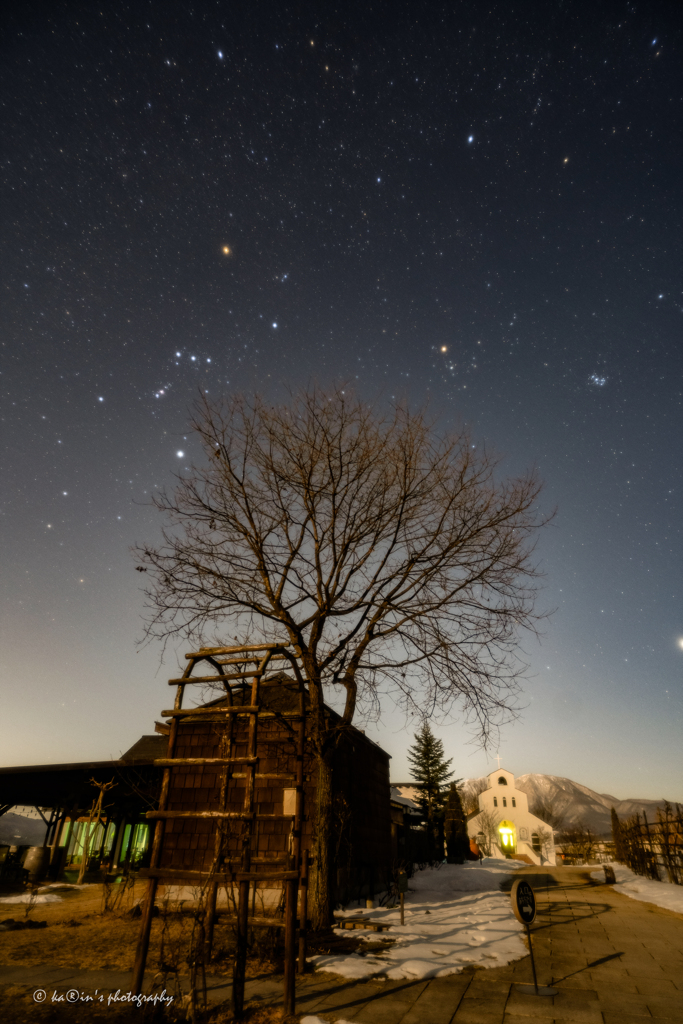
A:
{"points": [[320, 890]]}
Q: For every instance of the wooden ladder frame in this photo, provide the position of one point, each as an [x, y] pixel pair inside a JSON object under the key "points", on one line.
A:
{"points": [[295, 874]]}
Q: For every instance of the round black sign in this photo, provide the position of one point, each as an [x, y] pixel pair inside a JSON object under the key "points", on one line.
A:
{"points": [[523, 901]]}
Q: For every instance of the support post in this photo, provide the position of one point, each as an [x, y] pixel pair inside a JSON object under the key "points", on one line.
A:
{"points": [[143, 938], [303, 912], [148, 909], [56, 839], [290, 952], [210, 919], [402, 900], [226, 751], [531, 952], [240, 966]]}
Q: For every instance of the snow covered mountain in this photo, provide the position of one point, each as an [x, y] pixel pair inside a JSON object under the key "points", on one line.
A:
{"points": [[577, 802], [19, 830]]}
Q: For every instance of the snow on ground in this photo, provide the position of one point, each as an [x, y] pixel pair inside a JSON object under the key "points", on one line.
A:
{"points": [[454, 915], [27, 897], [663, 894], [46, 894], [319, 1020]]}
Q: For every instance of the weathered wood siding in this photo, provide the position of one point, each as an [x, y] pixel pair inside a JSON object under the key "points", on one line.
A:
{"points": [[362, 837]]}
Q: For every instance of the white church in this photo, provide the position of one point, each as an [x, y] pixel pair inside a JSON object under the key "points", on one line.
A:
{"points": [[503, 826]]}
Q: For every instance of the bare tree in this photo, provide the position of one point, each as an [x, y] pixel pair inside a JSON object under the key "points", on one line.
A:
{"points": [[552, 814], [470, 792], [488, 835], [394, 559], [545, 842], [577, 841]]}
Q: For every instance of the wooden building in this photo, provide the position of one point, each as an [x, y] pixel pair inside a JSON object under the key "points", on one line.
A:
{"points": [[362, 846]]}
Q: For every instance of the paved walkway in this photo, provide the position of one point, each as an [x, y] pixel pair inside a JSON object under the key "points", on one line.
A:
{"points": [[614, 960]]}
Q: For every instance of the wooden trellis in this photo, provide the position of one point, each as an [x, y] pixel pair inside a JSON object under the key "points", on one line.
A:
{"points": [[247, 869]]}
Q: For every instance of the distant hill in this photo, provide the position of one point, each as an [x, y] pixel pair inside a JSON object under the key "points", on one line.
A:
{"points": [[577, 802], [18, 830]]}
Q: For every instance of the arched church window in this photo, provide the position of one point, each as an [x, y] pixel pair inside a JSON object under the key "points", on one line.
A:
{"points": [[514, 802], [505, 803], [535, 842], [495, 801], [502, 781]]}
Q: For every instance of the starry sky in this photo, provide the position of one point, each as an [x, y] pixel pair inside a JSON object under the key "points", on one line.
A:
{"points": [[475, 206]]}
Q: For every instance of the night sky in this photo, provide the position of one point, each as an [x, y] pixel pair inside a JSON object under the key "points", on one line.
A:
{"points": [[475, 206]]}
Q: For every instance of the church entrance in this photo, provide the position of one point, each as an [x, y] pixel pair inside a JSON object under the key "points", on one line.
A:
{"points": [[507, 838]]}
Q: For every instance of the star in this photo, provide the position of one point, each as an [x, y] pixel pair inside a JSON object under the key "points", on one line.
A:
{"points": [[226, 250]]}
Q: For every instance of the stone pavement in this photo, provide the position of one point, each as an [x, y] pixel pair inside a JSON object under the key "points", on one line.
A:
{"points": [[614, 960]]}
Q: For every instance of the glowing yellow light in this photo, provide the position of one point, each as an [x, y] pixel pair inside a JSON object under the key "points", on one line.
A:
{"points": [[226, 250], [444, 348]]}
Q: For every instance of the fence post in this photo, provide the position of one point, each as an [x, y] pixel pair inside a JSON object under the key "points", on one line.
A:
{"points": [[654, 873]]}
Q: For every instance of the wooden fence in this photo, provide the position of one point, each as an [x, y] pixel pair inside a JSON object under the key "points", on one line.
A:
{"points": [[653, 849]]}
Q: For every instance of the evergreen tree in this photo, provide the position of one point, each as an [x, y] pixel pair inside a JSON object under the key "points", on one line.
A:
{"points": [[457, 839], [618, 838], [431, 771]]}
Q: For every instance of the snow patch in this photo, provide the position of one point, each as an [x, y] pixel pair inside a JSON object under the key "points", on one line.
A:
{"points": [[319, 1020], [26, 897], [454, 915], [662, 894]]}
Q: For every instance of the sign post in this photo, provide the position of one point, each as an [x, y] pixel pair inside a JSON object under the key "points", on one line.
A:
{"points": [[402, 889], [524, 909]]}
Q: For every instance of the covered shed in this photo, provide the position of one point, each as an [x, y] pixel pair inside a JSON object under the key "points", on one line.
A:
{"points": [[65, 793]]}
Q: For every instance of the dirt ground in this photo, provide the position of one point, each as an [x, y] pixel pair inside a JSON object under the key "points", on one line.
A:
{"points": [[94, 927], [82, 930]]}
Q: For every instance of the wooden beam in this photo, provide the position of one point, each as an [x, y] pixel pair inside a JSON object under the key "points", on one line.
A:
{"points": [[182, 762], [241, 661], [222, 877], [228, 709], [179, 762], [264, 775], [162, 815], [217, 679], [241, 815], [202, 653]]}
